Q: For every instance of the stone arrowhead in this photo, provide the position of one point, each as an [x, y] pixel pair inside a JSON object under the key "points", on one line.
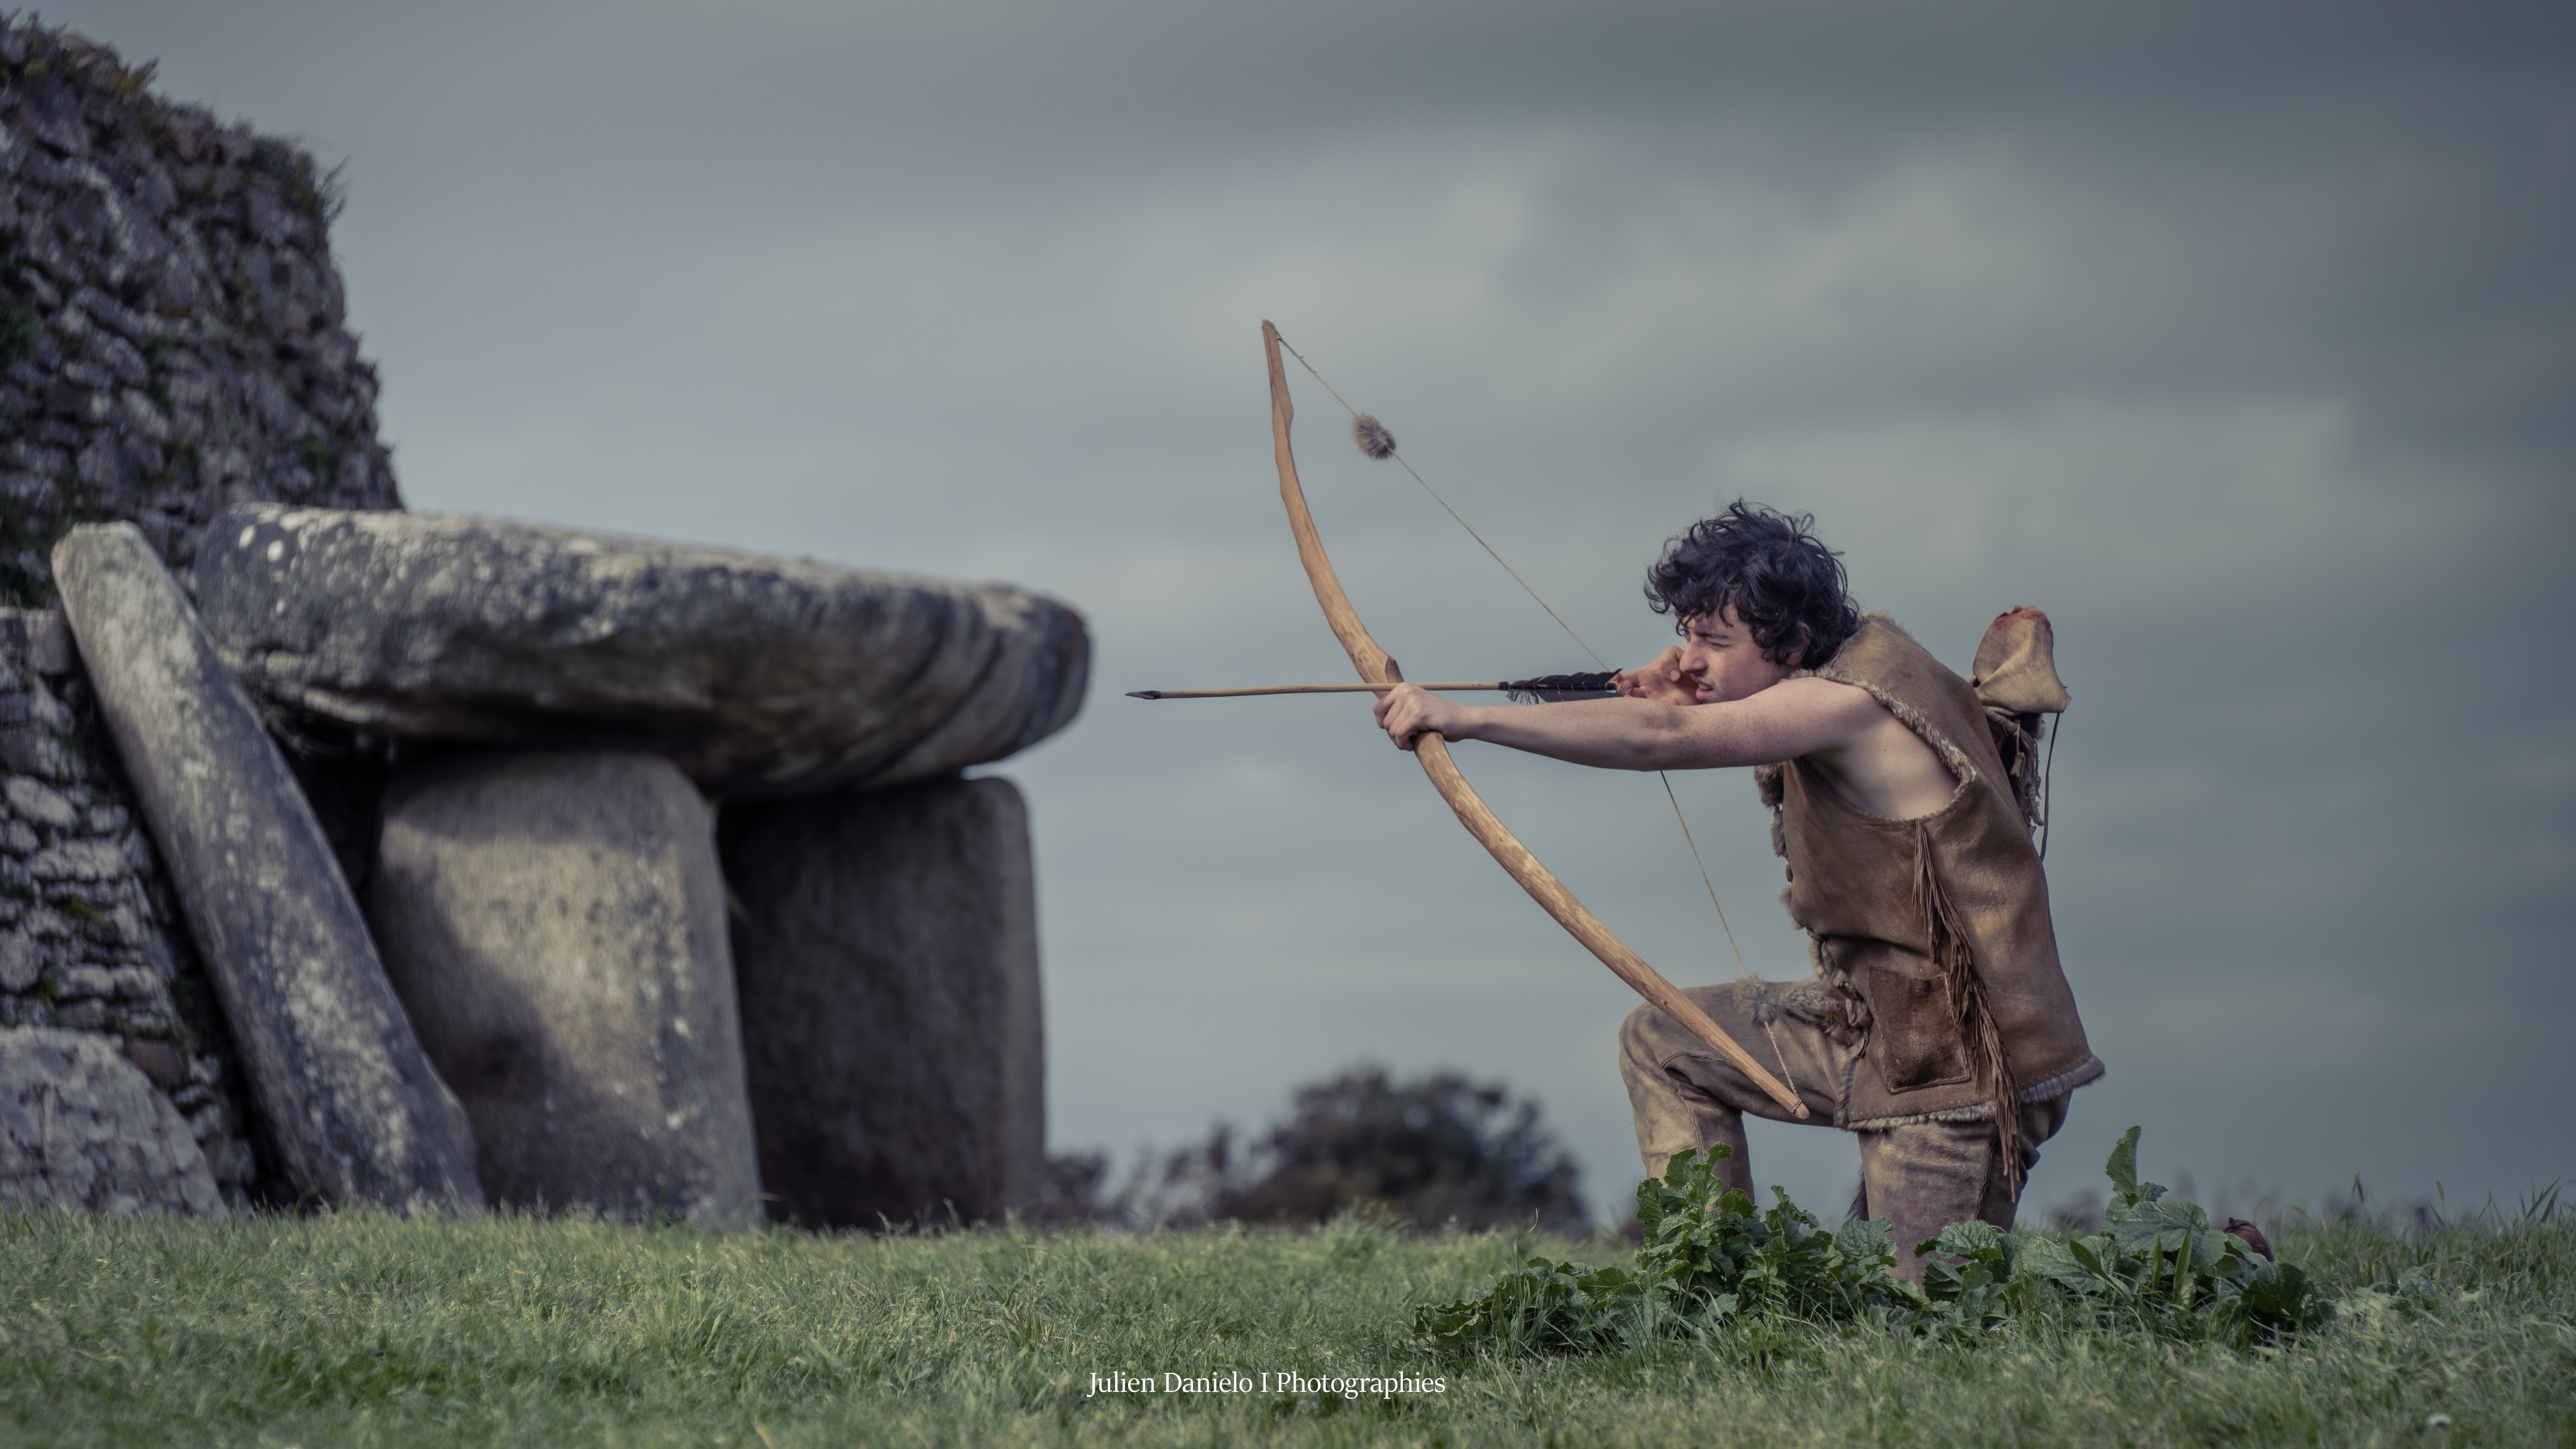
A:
{"points": [[759, 677]]}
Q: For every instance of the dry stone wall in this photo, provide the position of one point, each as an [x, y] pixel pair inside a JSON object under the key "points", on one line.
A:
{"points": [[173, 334], [91, 939], [81, 1126]]}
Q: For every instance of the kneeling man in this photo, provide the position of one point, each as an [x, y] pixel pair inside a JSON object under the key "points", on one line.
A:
{"points": [[1939, 1028]]}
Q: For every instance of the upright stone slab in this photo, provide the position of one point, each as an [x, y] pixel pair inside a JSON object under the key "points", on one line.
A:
{"points": [[556, 924], [887, 956], [357, 1113], [83, 1127]]}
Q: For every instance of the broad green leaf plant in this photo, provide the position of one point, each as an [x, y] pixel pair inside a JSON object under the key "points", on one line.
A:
{"points": [[1709, 1259], [2158, 1266]]}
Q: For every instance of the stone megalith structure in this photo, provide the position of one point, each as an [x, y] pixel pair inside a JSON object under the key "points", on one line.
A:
{"points": [[83, 1127], [887, 950], [890, 1030], [759, 677], [355, 1111], [555, 924]]}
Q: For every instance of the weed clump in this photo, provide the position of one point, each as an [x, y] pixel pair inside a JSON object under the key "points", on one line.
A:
{"points": [[1710, 1260]]}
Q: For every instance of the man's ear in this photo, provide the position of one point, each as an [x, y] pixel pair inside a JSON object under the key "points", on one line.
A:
{"points": [[1797, 658]]}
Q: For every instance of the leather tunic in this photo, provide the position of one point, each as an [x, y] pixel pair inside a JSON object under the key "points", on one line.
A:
{"points": [[1936, 929]]}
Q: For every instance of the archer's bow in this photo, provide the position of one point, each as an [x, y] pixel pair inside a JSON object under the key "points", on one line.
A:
{"points": [[1429, 748]]}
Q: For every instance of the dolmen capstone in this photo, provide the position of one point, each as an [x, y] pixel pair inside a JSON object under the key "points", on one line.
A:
{"points": [[355, 1110], [758, 677], [553, 907]]}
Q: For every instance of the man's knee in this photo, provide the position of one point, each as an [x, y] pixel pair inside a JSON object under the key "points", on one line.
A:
{"points": [[1643, 1043]]}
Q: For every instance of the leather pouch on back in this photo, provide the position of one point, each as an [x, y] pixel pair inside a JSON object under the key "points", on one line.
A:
{"points": [[1914, 1040]]}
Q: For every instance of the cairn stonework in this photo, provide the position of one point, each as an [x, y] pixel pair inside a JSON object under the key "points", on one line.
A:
{"points": [[353, 1108], [91, 938], [83, 1127], [173, 334], [887, 954], [555, 925], [759, 677]]}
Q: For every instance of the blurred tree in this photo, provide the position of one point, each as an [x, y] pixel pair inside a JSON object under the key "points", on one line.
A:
{"points": [[1435, 1150]]}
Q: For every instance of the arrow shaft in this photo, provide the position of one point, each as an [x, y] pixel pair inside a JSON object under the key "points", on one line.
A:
{"points": [[1297, 689]]}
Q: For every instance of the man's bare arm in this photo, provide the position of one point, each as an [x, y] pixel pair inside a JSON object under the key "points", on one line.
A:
{"points": [[1791, 718]]}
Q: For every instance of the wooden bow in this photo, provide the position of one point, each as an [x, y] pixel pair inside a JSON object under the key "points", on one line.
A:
{"points": [[1376, 667]]}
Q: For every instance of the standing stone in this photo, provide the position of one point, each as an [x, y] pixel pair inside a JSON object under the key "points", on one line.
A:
{"points": [[357, 1112], [82, 1126], [888, 959], [556, 925], [759, 677]]}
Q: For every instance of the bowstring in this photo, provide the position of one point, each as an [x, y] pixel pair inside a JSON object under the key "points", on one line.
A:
{"points": [[1762, 1011], [1453, 513]]}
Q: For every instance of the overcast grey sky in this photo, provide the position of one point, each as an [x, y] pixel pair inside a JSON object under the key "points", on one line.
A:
{"points": [[2240, 338]]}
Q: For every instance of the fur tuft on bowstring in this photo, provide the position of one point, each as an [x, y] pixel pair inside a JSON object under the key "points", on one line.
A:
{"points": [[1553, 688], [1372, 437]]}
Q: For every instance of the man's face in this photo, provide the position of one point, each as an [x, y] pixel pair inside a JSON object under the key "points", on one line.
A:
{"points": [[1718, 653]]}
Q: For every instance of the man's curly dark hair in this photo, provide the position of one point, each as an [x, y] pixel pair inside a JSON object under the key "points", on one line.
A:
{"points": [[1782, 583]]}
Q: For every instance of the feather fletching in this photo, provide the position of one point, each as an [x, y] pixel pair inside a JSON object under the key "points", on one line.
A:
{"points": [[1553, 688]]}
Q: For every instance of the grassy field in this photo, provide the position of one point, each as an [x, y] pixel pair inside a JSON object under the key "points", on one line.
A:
{"points": [[359, 1329]]}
